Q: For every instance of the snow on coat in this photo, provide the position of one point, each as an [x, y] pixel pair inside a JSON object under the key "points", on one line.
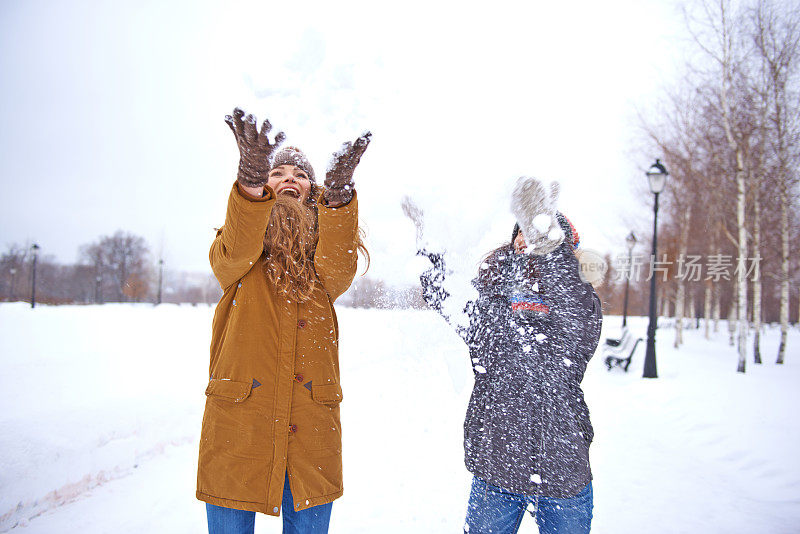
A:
{"points": [[274, 391], [531, 332]]}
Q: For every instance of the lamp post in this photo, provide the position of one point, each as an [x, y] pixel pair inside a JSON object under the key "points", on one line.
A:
{"points": [[657, 178], [11, 290], [97, 281], [631, 242], [35, 251], [160, 279]]}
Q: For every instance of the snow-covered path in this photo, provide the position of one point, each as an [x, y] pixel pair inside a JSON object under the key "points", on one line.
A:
{"points": [[102, 408]]}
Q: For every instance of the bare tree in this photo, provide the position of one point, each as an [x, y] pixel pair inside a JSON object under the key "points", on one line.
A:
{"points": [[14, 270], [777, 39], [731, 132], [727, 86], [121, 265]]}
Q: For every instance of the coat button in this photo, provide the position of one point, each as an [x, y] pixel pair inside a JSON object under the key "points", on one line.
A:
{"points": [[299, 378], [301, 323], [240, 284], [293, 428], [234, 302], [275, 510]]}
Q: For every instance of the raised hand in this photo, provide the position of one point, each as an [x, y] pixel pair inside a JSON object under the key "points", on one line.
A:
{"points": [[255, 148], [535, 210], [339, 184]]}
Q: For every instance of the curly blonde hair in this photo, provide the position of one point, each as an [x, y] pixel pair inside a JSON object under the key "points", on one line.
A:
{"points": [[289, 244]]}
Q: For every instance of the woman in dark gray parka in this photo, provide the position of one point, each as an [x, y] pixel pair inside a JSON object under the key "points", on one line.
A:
{"points": [[532, 329]]}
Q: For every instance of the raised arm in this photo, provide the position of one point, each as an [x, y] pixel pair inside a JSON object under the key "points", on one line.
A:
{"points": [[240, 241], [432, 282], [336, 255], [456, 313], [575, 307]]}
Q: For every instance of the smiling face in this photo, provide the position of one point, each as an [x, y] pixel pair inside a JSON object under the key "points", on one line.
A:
{"points": [[290, 180], [519, 243]]}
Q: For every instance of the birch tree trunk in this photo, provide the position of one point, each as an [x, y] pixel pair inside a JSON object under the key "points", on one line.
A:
{"points": [[784, 275], [679, 305], [735, 145], [756, 274], [680, 298], [741, 280], [777, 38], [732, 325], [707, 308]]}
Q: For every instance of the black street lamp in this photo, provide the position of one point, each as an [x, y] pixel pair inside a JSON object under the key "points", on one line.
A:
{"points": [[657, 178], [35, 251], [11, 290], [160, 279], [631, 242], [97, 281]]}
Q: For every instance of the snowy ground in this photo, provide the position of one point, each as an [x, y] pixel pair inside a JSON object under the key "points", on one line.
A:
{"points": [[102, 408]]}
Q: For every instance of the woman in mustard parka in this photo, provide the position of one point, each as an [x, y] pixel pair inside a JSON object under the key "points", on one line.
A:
{"points": [[271, 436]]}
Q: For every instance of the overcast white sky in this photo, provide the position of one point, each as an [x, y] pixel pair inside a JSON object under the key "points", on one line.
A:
{"points": [[113, 114]]}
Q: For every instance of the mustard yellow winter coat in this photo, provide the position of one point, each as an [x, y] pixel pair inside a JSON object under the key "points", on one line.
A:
{"points": [[273, 397]]}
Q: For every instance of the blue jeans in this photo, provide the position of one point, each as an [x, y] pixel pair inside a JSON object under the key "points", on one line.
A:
{"points": [[312, 520], [494, 510]]}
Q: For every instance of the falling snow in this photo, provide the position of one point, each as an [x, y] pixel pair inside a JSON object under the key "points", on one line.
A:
{"points": [[532, 423]]}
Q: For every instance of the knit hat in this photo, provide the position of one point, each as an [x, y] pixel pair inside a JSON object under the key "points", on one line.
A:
{"points": [[570, 233], [291, 155]]}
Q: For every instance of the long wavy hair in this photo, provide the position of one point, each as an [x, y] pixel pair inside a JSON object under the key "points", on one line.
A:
{"points": [[289, 243]]}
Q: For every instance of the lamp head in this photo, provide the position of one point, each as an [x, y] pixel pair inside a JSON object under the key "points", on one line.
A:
{"points": [[631, 241], [657, 176]]}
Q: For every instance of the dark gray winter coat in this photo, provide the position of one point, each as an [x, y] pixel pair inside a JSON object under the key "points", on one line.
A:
{"points": [[527, 428]]}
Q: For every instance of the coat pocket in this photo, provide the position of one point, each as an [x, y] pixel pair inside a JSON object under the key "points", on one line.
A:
{"points": [[326, 393], [232, 420], [228, 390], [321, 432]]}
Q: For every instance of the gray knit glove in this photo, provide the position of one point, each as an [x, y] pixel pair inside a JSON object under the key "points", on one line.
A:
{"points": [[254, 147], [534, 207]]}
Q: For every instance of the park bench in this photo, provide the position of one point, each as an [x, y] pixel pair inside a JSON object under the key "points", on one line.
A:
{"points": [[616, 342], [622, 354]]}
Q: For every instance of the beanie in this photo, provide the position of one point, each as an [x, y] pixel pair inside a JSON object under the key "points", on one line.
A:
{"points": [[291, 155]]}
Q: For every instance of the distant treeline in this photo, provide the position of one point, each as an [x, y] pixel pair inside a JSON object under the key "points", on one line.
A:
{"points": [[121, 268], [115, 268]]}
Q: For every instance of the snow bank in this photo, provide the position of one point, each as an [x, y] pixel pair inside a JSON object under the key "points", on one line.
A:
{"points": [[102, 409], [90, 392]]}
